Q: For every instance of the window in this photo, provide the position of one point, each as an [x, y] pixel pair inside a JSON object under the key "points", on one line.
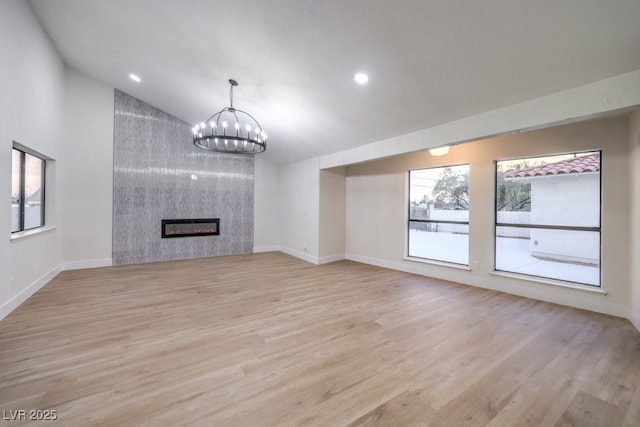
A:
{"points": [[548, 217], [27, 189], [439, 214]]}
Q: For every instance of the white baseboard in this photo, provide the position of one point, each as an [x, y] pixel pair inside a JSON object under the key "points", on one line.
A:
{"points": [[506, 285], [634, 318], [15, 302], [303, 256], [258, 249], [331, 258], [452, 275], [92, 263]]}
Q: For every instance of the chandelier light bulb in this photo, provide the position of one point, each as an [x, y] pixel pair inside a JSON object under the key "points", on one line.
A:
{"points": [[243, 142]]}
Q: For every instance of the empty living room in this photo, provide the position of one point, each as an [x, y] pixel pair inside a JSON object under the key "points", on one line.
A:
{"points": [[320, 213]]}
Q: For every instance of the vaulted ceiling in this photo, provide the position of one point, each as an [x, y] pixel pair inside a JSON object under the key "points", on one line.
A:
{"points": [[428, 61]]}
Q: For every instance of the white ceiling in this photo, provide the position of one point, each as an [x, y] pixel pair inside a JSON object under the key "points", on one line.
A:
{"points": [[429, 61]]}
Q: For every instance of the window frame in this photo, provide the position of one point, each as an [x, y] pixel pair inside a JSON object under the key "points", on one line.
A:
{"points": [[22, 189], [597, 229], [429, 221]]}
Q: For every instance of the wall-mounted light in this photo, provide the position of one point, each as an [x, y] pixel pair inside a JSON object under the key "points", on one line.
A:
{"points": [[439, 151]]}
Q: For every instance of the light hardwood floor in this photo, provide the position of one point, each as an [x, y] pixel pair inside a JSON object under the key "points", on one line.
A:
{"points": [[266, 339]]}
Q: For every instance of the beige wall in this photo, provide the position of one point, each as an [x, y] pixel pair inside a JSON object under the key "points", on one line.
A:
{"points": [[634, 216], [333, 198], [379, 188]]}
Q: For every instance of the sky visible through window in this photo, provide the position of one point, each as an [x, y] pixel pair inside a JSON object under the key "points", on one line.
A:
{"points": [[424, 180], [33, 175]]}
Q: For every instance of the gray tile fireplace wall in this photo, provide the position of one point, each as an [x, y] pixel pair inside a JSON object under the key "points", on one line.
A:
{"points": [[159, 174]]}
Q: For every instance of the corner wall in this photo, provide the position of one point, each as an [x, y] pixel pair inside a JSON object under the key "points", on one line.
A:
{"points": [[333, 209], [32, 79], [266, 217], [299, 209], [86, 175]]}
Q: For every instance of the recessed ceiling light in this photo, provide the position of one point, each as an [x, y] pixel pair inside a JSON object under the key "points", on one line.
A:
{"points": [[361, 78], [135, 78]]}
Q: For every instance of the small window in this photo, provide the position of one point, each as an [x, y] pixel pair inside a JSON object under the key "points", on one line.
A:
{"points": [[438, 225], [548, 217], [27, 190]]}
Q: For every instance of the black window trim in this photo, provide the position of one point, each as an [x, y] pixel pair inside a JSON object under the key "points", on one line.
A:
{"points": [[21, 203], [431, 221], [497, 224]]}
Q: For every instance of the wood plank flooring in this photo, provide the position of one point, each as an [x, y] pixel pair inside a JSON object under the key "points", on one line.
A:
{"points": [[269, 340]]}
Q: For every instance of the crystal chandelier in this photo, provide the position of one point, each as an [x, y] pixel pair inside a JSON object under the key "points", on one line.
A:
{"points": [[230, 131]]}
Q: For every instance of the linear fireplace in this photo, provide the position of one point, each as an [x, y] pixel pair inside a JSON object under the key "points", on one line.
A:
{"points": [[190, 227]]}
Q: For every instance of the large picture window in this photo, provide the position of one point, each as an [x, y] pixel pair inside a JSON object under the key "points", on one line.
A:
{"points": [[438, 224], [548, 217], [27, 190]]}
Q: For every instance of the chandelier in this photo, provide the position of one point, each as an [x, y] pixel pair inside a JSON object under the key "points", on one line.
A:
{"points": [[230, 131]]}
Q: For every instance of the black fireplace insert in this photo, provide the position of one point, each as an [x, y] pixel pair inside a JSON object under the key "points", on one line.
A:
{"points": [[190, 227]]}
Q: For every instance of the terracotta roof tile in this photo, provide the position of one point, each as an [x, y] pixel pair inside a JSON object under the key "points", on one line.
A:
{"points": [[582, 164]]}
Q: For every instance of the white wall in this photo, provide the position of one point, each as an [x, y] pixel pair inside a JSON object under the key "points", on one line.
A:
{"points": [[266, 217], [380, 186], [634, 216], [86, 172], [32, 79], [572, 200], [333, 199], [299, 209]]}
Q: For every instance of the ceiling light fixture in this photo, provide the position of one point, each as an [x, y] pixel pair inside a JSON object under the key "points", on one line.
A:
{"points": [[439, 151], [135, 78], [361, 78], [230, 131]]}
